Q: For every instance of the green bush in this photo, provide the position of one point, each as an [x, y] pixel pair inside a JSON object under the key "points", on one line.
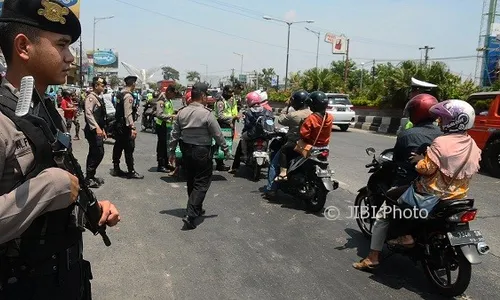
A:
{"points": [[278, 96], [363, 101]]}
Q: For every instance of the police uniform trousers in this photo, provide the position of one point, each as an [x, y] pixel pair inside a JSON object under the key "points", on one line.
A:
{"points": [[124, 142], [199, 168], [96, 151], [163, 132], [63, 276]]}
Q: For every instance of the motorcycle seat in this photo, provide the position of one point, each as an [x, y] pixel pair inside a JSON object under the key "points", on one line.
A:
{"points": [[451, 204]]}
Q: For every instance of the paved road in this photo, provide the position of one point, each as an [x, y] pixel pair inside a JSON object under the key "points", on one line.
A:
{"points": [[248, 248]]}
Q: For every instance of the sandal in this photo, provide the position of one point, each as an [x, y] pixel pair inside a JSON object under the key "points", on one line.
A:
{"points": [[402, 242], [365, 265]]}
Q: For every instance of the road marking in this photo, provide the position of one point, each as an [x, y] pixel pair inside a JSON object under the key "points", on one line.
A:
{"points": [[372, 132]]}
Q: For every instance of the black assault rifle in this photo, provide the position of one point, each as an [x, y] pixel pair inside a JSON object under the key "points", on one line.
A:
{"points": [[88, 211]]}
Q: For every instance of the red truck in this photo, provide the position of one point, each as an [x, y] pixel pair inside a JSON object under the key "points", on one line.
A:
{"points": [[486, 130], [163, 84]]}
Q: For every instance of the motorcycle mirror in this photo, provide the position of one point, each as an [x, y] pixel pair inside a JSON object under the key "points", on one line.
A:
{"points": [[370, 151]]}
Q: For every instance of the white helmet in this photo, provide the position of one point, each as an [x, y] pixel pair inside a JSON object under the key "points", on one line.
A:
{"points": [[456, 115]]}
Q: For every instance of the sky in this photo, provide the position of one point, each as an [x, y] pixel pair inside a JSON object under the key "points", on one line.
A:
{"points": [[189, 34]]}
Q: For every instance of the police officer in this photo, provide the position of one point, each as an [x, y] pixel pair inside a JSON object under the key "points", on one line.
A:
{"points": [[194, 128], [226, 112], [125, 130], [95, 119], [164, 115], [40, 246]]}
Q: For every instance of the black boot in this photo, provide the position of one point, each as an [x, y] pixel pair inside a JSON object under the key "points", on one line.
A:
{"points": [[189, 222], [161, 166], [117, 172], [134, 175]]}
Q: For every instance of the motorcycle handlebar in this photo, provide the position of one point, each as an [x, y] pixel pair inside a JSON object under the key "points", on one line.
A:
{"points": [[370, 165]]}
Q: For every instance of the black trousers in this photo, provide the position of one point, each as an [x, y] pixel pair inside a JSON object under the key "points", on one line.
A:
{"points": [[124, 142], [199, 167], [73, 284], [163, 133], [96, 151], [237, 157]]}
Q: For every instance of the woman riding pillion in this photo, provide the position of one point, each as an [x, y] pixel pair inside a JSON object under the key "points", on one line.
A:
{"points": [[445, 172], [292, 120]]}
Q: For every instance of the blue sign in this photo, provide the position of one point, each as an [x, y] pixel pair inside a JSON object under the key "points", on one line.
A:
{"points": [[68, 3], [105, 59], [490, 62], [1, 5]]}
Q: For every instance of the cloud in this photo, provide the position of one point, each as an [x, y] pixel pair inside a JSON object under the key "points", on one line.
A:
{"points": [[290, 15]]}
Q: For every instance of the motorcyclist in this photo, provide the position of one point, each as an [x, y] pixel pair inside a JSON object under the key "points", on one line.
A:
{"points": [[317, 128], [293, 120], [420, 87], [423, 132]]}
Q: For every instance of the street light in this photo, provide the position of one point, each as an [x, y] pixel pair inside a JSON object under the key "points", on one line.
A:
{"points": [[96, 20], [288, 42], [206, 72], [241, 68], [317, 33]]}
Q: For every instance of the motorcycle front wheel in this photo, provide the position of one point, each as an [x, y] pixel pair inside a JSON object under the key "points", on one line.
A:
{"points": [[317, 202], [364, 211]]}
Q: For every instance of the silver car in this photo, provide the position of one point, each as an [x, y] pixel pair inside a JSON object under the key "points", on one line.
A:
{"points": [[340, 107]]}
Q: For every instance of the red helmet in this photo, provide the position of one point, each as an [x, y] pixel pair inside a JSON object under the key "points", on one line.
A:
{"points": [[188, 97], [417, 109]]}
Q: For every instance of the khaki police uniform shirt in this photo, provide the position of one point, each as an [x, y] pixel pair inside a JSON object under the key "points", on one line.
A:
{"points": [[294, 120], [160, 110], [91, 104], [221, 106], [128, 104], [48, 191], [195, 124]]}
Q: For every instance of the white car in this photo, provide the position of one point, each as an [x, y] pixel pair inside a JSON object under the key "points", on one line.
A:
{"points": [[340, 107]]}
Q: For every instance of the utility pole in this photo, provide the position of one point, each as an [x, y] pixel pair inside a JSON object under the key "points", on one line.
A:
{"points": [[346, 72], [426, 48], [373, 71], [232, 76], [81, 64]]}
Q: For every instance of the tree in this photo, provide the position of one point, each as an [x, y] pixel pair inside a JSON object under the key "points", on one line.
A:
{"points": [[114, 81], [320, 80], [170, 73], [193, 76]]}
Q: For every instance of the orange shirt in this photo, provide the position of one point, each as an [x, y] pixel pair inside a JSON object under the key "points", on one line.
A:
{"points": [[311, 128]]}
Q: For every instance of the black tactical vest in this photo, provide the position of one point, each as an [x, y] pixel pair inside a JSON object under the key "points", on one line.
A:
{"points": [[120, 108], [100, 112], [54, 231]]}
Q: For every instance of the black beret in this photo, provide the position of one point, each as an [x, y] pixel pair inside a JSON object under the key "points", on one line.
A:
{"points": [[130, 79], [200, 86], [48, 15], [99, 79]]}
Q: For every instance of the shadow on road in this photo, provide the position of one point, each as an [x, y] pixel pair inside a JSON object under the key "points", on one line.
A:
{"points": [[357, 240], [177, 212]]}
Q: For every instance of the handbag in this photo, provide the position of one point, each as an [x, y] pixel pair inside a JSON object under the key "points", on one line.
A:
{"points": [[304, 148], [427, 202]]}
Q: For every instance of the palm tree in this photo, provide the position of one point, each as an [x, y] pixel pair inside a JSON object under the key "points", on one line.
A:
{"points": [[193, 76], [320, 80]]}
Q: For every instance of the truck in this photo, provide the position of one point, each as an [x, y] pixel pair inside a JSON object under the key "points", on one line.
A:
{"points": [[163, 84], [486, 130]]}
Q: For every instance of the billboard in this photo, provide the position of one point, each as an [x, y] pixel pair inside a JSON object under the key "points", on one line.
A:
{"points": [[74, 5], [1, 5], [491, 61], [339, 43], [105, 59]]}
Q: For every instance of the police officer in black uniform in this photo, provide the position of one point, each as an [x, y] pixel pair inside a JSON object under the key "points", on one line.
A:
{"points": [[125, 130], [193, 129], [95, 119], [40, 243]]}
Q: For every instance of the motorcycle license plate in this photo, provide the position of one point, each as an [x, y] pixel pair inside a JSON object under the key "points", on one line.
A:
{"points": [[465, 237]]}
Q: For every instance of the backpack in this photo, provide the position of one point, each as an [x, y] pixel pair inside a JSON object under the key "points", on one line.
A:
{"points": [[265, 124]]}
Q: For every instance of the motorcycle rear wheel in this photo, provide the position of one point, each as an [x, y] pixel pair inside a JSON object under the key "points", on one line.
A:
{"points": [[317, 203], [463, 279], [256, 172]]}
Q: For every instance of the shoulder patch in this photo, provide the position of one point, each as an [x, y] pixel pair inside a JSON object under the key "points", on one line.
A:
{"points": [[131, 100]]}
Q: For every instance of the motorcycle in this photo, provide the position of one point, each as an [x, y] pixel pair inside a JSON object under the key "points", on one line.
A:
{"points": [[147, 119], [308, 178], [259, 158], [443, 240]]}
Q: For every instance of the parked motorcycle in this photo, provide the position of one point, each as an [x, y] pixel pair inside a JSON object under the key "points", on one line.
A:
{"points": [[147, 119], [443, 241], [309, 179]]}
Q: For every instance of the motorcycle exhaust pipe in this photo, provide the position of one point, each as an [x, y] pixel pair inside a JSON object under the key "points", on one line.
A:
{"points": [[483, 248]]}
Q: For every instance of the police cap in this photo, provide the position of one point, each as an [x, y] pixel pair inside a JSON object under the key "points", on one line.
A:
{"points": [[99, 79], [47, 15], [129, 80], [200, 86]]}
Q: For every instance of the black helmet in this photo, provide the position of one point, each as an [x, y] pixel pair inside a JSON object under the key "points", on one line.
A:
{"points": [[318, 102], [298, 99]]}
